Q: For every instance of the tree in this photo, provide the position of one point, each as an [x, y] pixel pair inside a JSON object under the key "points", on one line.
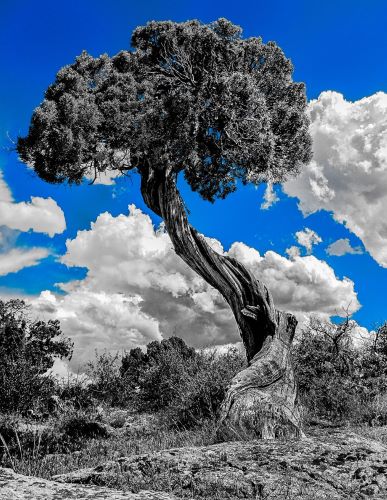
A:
{"points": [[27, 350], [200, 100], [374, 361], [327, 369], [184, 386], [157, 373], [379, 344]]}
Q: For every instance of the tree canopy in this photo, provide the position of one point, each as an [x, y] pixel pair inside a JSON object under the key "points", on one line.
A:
{"points": [[189, 97], [36, 343], [28, 348]]}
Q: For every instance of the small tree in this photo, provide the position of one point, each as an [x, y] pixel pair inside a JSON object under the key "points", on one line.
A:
{"points": [[105, 381], [27, 350], [156, 373], [379, 344], [199, 100], [327, 369], [186, 386], [132, 366], [374, 363]]}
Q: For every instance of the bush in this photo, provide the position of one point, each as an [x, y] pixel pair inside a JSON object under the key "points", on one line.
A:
{"points": [[75, 393], [374, 363], [201, 391], [107, 385], [338, 380], [184, 386], [161, 372], [23, 390], [21, 440], [169, 378], [27, 351], [78, 427], [105, 380]]}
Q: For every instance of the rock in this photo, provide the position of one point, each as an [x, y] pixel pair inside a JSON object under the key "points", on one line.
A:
{"points": [[330, 463], [18, 487]]}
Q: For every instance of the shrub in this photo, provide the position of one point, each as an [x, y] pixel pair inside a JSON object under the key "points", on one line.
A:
{"points": [[184, 386], [374, 362], [162, 372], [107, 385], [76, 393], [338, 380], [27, 351], [201, 391], [80, 426], [324, 369], [21, 440]]}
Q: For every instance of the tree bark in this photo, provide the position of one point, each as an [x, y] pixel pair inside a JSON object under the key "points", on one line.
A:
{"points": [[262, 399]]}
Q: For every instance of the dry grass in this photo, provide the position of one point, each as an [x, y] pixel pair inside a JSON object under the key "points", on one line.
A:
{"points": [[131, 435], [376, 433], [92, 452]]}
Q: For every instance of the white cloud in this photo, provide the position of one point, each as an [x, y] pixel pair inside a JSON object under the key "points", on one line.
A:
{"points": [[317, 324], [98, 320], [348, 174], [270, 197], [361, 336], [307, 238], [342, 247], [17, 259], [133, 265], [300, 285], [105, 178], [293, 252], [126, 254], [42, 215]]}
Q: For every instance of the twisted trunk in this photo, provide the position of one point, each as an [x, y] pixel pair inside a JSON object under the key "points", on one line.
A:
{"points": [[262, 399]]}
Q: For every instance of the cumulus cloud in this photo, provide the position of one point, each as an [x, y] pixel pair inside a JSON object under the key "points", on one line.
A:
{"points": [[130, 264], [301, 284], [16, 259], [98, 320], [348, 173], [270, 197], [293, 252], [126, 254], [42, 215], [307, 238], [320, 324], [342, 247]]}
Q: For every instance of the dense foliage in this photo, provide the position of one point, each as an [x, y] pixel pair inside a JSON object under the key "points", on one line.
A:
{"points": [[189, 96], [340, 377], [171, 379], [27, 350]]}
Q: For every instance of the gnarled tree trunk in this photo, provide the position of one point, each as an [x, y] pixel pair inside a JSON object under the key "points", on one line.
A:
{"points": [[261, 399]]}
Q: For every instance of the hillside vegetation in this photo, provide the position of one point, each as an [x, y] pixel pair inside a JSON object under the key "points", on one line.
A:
{"points": [[167, 396]]}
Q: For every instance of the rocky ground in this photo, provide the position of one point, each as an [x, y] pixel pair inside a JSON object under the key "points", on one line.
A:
{"points": [[18, 487], [328, 464]]}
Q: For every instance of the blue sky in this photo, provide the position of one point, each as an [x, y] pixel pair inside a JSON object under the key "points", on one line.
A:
{"points": [[334, 45]]}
